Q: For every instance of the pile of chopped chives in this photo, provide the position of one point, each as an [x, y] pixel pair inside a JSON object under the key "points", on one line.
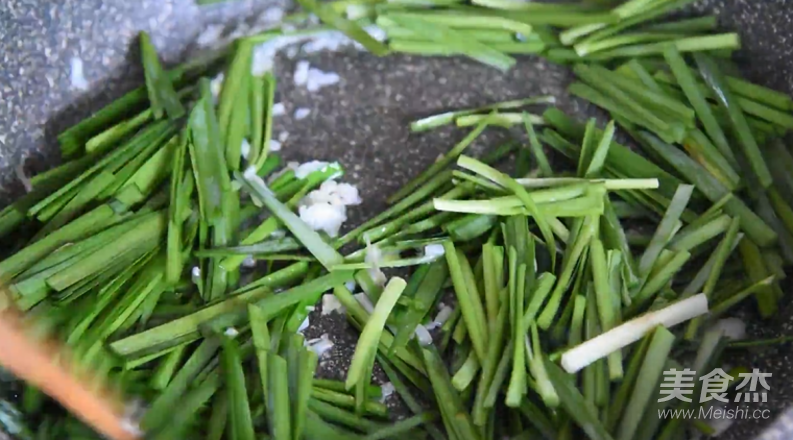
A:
{"points": [[564, 318]]}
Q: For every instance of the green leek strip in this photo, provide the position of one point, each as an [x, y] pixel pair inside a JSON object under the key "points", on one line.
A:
{"points": [[694, 94], [148, 283], [143, 237], [632, 7], [179, 202], [720, 255], [554, 18], [404, 393], [587, 148], [543, 198], [206, 158], [465, 21], [332, 385], [759, 93], [258, 89], [482, 35], [234, 308], [306, 368], [491, 265], [349, 28], [722, 306], [278, 411], [499, 376], [264, 155], [497, 327], [726, 41], [535, 360], [234, 107], [612, 97], [618, 112], [457, 421], [234, 93], [318, 428], [609, 184], [239, 410], [543, 287], [502, 119], [187, 409], [698, 24], [666, 105], [430, 48], [125, 172], [535, 7], [310, 238], [757, 271], [446, 118], [776, 117], [367, 343], [598, 158], [620, 398], [402, 427], [106, 139], [426, 294], [782, 208], [110, 163], [340, 399], [536, 147], [269, 165], [572, 255], [436, 182], [162, 96], [521, 193], [703, 151], [160, 411], [403, 222], [575, 335], [216, 426], [751, 224], [632, 38], [74, 137], [471, 306], [438, 166], [620, 158], [603, 32], [251, 244], [580, 410], [262, 248], [635, 69], [614, 237], [603, 295], [658, 278], [261, 343], [517, 382], [151, 173], [441, 34], [666, 229], [361, 317], [106, 295], [646, 381], [716, 81], [690, 238], [466, 373], [77, 229], [340, 416]]}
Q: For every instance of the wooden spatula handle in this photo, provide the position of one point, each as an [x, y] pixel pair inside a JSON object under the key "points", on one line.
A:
{"points": [[37, 363]]}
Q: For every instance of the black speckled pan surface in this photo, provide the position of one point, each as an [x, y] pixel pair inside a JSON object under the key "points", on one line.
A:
{"points": [[361, 121]]}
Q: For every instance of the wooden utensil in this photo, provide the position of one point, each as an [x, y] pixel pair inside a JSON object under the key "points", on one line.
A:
{"points": [[43, 364]]}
